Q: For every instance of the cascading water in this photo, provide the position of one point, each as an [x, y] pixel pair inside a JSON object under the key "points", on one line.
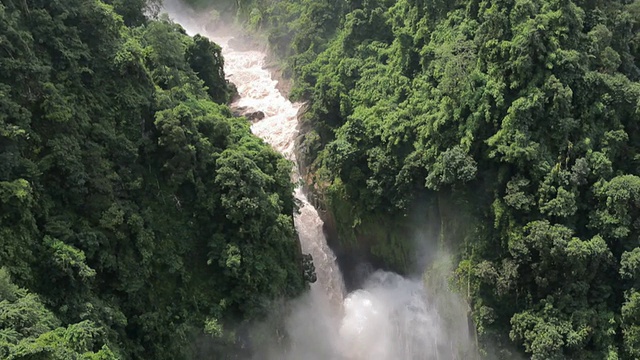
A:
{"points": [[279, 128], [391, 317]]}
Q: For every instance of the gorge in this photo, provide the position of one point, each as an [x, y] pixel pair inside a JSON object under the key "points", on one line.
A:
{"points": [[390, 317], [434, 179]]}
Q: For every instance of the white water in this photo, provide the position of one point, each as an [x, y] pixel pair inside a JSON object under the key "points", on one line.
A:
{"points": [[279, 128], [390, 318]]}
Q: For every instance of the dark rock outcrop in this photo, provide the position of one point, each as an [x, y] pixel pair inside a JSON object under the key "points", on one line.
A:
{"points": [[254, 115]]}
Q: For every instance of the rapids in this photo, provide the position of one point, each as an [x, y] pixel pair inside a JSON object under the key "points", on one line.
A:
{"points": [[391, 317]]}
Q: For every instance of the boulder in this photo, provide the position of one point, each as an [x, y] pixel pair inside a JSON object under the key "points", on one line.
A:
{"points": [[255, 115]]}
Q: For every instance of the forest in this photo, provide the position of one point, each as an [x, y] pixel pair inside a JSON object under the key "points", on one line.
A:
{"points": [[138, 217], [517, 120]]}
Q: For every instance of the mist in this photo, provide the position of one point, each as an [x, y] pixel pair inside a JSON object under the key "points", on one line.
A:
{"points": [[207, 21], [388, 317]]}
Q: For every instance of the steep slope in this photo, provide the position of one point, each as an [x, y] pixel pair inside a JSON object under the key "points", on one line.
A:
{"points": [[516, 120], [130, 198]]}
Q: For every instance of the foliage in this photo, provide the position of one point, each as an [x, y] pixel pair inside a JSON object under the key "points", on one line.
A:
{"points": [[29, 331], [526, 110], [136, 213]]}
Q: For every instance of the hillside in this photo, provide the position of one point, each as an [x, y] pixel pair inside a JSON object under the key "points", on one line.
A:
{"points": [[138, 217], [515, 121]]}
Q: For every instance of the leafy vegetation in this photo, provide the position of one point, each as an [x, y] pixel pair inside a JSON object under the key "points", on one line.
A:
{"points": [[137, 215], [523, 115]]}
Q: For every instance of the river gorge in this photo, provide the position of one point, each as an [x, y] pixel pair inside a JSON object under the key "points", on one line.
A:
{"points": [[389, 316]]}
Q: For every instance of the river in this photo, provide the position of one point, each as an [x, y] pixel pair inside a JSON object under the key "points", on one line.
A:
{"points": [[390, 317]]}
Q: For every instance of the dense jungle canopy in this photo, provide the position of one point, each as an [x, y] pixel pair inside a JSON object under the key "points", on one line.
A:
{"points": [[137, 215], [519, 119]]}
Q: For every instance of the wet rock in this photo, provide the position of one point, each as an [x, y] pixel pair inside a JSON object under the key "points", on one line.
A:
{"points": [[254, 116], [248, 113], [309, 269]]}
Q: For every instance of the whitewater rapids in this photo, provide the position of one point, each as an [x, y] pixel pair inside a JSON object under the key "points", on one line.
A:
{"points": [[390, 317]]}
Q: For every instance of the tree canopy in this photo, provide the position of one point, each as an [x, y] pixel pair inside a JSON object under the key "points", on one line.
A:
{"points": [[519, 115], [137, 215]]}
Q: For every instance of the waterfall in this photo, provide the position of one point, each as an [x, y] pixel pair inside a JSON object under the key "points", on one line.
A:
{"points": [[279, 127], [391, 317]]}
